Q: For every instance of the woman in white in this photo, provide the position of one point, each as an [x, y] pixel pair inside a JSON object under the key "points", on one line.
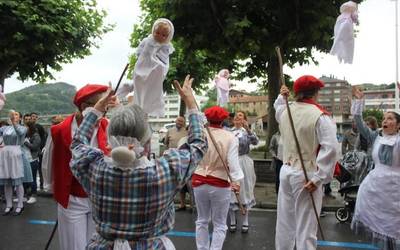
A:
{"points": [[246, 138], [377, 209], [11, 162], [152, 67]]}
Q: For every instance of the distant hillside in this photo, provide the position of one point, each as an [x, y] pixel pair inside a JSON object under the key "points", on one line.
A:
{"points": [[54, 98], [370, 86]]}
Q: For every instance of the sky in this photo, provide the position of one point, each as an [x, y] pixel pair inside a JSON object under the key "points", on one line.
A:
{"points": [[374, 57]]}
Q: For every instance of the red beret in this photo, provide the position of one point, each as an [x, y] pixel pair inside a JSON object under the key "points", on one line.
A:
{"points": [[307, 82], [216, 114], [87, 91]]}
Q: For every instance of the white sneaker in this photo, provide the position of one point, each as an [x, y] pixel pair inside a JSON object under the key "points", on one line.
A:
{"points": [[31, 200]]}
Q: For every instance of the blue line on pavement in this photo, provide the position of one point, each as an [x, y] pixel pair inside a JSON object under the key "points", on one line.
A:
{"points": [[42, 222], [345, 244], [193, 234], [181, 234]]}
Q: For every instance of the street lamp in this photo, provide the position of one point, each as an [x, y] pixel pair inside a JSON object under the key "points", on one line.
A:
{"points": [[396, 87]]}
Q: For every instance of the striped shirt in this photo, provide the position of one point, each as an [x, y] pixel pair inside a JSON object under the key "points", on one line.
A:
{"points": [[134, 204]]}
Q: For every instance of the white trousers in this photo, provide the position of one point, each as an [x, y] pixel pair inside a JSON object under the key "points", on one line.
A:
{"points": [[75, 224], [212, 204], [296, 222]]}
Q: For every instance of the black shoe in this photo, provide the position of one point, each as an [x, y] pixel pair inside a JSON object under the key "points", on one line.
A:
{"points": [[7, 212], [232, 228], [180, 209], [245, 229], [16, 213]]}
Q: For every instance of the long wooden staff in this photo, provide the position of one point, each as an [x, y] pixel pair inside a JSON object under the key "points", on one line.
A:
{"points": [[282, 82], [243, 211]]}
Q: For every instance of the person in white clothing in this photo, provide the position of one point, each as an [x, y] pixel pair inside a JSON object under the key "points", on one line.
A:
{"points": [[152, 66], [296, 224], [377, 211], [212, 190]]}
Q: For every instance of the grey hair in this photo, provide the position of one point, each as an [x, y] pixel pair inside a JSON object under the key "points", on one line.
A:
{"points": [[130, 121]]}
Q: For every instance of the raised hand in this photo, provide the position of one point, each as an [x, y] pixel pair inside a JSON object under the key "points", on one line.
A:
{"points": [[186, 92], [357, 93], [285, 91], [107, 101]]}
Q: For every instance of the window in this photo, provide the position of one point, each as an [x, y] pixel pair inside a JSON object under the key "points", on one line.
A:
{"points": [[173, 116], [173, 101], [338, 84], [337, 99], [337, 91], [173, 109], [337, 107]]}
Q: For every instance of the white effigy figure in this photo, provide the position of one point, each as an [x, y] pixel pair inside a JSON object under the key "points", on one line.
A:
{"points": [[222, 84], [343, 44], [152, 67]]}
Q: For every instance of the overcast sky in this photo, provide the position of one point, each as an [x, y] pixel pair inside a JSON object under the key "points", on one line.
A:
{"points": [[374, 58]]}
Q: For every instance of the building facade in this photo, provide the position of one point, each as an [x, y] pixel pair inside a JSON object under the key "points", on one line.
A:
{"points": [[380, 99]]}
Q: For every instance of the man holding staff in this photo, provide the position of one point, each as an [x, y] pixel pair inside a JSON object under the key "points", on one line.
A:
{"points": [[296, 219]]}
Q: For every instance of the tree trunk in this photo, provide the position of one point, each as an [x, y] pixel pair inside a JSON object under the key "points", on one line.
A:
{"points": [[273, 73], [182, 108]]}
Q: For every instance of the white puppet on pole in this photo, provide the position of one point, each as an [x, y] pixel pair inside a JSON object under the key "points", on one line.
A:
{"points": [[152, 67], [343, 44], [222, 85]]}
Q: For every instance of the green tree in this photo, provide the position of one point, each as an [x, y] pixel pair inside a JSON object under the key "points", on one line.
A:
{"points": [[377, 113], [38, 36], [242, 35]]}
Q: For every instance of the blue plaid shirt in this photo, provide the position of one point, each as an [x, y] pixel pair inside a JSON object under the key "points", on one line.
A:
{"points": [[134, 204]]}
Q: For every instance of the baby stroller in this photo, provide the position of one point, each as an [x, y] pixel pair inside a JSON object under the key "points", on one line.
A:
{"points": [[353, 168]]}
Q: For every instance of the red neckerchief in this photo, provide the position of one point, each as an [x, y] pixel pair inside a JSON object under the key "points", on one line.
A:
{"points": [[311, 101]]}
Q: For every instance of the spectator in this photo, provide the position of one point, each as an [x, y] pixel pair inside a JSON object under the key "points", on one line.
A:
{"points": [[12, 170], [350, 139], [171, 140], [26, 118], [275, 148], [32, 142], [43, 137]]}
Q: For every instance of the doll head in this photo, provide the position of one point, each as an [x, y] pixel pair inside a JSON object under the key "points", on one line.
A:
{"points": [[163, 30]]}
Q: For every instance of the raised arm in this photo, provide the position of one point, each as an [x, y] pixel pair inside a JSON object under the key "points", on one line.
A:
{"points": [[183, 161], [357, 108]]}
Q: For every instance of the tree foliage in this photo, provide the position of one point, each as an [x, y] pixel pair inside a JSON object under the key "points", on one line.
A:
{"points": [[377, 113], [38, 36], [242, 36]]}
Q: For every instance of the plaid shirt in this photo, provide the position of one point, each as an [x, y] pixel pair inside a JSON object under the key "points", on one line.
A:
{"points": [[134, 204]]}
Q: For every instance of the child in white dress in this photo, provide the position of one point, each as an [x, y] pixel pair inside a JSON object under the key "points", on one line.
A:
{"points": [[152, 67]]}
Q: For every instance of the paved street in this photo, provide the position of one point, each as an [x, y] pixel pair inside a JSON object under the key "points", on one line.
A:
{"points": [[32, 229]]}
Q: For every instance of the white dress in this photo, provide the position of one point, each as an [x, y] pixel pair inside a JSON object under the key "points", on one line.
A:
{"points": [[343, 44], [377, 209], [247, 184], [149, 74], [378, 200]]}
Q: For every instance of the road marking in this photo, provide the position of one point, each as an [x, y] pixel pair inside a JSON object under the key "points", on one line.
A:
{"points": [[345, 244], [193, 234], [42, 222]]}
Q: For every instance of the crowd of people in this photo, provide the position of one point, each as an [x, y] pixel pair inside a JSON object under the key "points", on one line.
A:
{"points": [[112, 193], [212, 165]]}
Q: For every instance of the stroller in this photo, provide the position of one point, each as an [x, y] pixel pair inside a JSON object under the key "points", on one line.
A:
{"points": [[353, 168]]}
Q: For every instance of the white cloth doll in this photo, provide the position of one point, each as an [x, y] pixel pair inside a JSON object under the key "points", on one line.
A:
{"points": [[152, 67], [222, 84], [343, 44]]}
